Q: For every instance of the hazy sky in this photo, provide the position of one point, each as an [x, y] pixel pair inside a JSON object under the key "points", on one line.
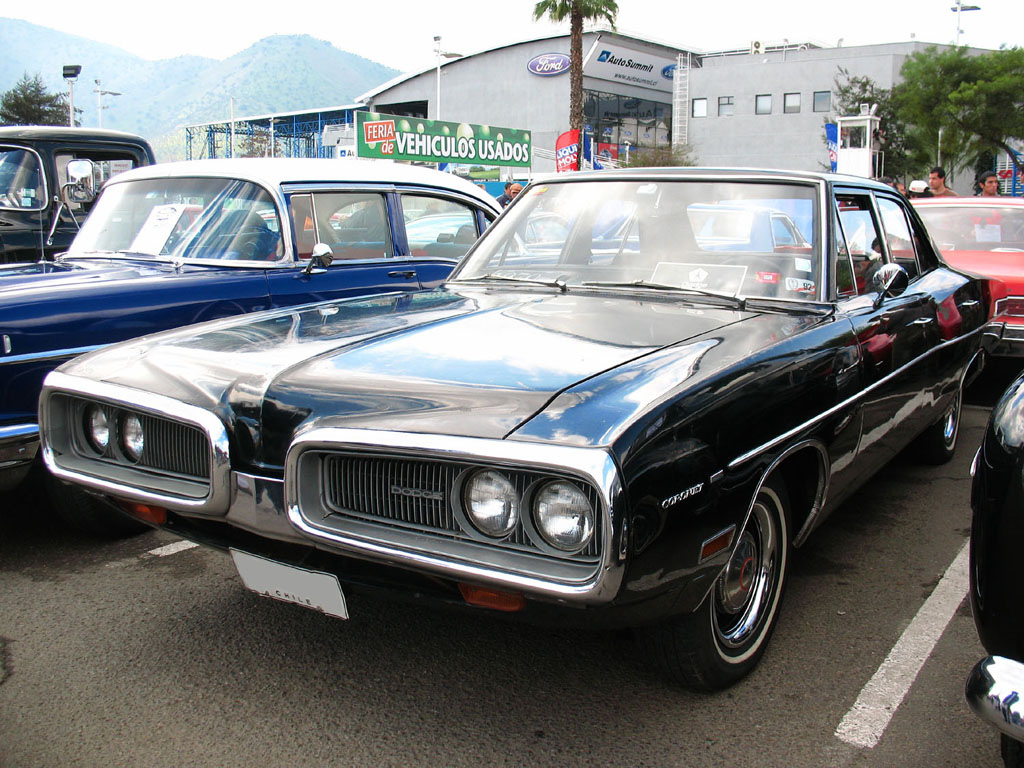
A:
{"points": [[400, 33]]}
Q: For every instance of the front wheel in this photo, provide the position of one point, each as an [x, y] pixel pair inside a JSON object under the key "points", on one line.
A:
{"points": [[722, 641], [86, 513]]}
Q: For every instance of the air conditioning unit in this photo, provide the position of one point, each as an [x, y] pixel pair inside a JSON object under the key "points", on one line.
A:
{"points": [[756, 48]]}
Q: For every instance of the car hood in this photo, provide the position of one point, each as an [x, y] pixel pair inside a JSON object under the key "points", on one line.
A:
{"points": [[466, 362], [16, 280]]}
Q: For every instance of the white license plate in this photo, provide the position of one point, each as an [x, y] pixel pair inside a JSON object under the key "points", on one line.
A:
{"points": [[310, 589]]}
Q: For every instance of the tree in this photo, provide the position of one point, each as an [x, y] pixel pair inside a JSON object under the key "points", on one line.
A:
{"points": [[977, 102], [659, 157], [29, 103], [577, 11], [850, 91]]}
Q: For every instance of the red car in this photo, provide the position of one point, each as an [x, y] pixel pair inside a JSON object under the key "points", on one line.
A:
{"points": [[985, 236]]}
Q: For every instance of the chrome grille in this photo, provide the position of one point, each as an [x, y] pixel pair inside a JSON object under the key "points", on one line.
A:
{"points": [[173, 447], [419, 494]]}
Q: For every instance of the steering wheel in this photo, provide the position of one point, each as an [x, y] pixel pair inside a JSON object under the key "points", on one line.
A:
{"points": [[249, 241]]}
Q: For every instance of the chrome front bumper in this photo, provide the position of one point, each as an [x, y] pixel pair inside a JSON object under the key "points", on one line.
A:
{"points": [[993, 692], [19, 444]]}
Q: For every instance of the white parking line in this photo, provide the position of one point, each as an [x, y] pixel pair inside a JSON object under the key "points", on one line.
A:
{"points": [[865, 723], [170, 549]]}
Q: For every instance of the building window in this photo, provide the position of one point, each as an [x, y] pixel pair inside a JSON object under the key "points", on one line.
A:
{"points": [[791, 103], [822, 101], [725, 105], [763, 104], [700, 108]]}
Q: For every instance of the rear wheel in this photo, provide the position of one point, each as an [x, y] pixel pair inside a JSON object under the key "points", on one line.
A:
{"points": [[84, 512], [938, 443], [725, 637]]}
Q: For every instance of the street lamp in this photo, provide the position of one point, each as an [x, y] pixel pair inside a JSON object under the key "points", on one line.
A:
{"points": [[440, 55], [958, 9], [71, 73], [100, 93]]}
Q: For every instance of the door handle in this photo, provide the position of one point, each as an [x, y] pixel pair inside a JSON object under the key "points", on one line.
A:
{"points": [[971, 303], [408, 274], [923, 321]]}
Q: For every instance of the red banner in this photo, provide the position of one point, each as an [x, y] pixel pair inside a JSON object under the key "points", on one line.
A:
{"points": [[567, 152]]}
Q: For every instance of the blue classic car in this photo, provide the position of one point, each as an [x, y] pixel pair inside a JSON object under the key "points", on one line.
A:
{"points": [[634, 431], [178, 243]]}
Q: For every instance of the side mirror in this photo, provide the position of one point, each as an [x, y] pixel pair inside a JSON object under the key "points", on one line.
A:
{"points": [[890, 280], [321, 259], [81, 185]]}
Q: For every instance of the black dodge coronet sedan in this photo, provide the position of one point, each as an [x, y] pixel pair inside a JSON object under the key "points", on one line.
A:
{"points": [[995, 685], [633, 423]]}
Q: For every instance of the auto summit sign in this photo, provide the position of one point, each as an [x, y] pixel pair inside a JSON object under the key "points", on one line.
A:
{"points": [[613, 62], [391, 137]]}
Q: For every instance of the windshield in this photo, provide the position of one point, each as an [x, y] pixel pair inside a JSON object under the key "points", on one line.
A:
{"points": [[742, 239], [183, 218], [21, 179], [975, 227]]}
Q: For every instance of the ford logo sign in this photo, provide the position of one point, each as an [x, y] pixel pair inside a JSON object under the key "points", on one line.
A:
{"points": [[669, 72], [549, 64]]}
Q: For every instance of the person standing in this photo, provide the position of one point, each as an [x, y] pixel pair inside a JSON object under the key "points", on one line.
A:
{"points": [[512, 189], [989, 184], [937, 183]]}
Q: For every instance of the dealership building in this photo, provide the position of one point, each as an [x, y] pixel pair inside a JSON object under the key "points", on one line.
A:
{"points": [[762, 105]]}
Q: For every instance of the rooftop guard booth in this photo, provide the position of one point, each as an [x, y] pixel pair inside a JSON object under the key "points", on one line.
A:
{"points": [[860, 151]]}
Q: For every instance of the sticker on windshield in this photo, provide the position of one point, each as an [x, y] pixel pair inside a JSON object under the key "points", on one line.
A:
{"points": [[796, 285], [802, 265]]}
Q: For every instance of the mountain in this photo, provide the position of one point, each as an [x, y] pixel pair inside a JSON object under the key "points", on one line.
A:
{"points": [[157, 98]]}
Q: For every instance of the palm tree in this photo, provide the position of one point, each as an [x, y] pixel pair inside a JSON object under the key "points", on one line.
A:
{"points": [[577, 11]]}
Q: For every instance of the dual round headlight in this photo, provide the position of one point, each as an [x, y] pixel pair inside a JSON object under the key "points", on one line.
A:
{"points": [[560, 513], [133, 439], [97, 428], [131, 436]]}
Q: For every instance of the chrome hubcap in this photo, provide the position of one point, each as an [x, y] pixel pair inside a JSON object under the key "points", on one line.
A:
{"points": [[950, 424], [744, 592]]}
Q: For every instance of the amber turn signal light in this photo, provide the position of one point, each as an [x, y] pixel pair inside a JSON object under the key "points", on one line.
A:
{"points": [[491, 598], [154, 515]]}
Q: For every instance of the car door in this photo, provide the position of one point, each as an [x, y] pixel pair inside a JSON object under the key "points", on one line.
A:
{"points": [[357, 225], [437, 231], [896, 333]]}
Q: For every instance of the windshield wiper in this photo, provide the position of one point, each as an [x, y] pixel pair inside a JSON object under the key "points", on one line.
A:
{"points": [[736, 300], [558, 283]]}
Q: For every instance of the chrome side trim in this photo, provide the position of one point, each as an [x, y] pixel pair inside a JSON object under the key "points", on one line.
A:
{"points": [[993, 692], [595, 465], [217, 499], [50, 355], [19, 444], [790, 434]]}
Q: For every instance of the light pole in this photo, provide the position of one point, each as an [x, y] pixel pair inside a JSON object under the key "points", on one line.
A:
{"points": [[958, 9], [440, 55], [71, 73], [100, 93]]}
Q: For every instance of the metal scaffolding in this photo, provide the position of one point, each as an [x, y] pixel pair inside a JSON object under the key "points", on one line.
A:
{"points": [[283, 134]]}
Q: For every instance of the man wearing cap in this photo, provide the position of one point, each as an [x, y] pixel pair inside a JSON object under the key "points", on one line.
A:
{"points": [[919, 188]]}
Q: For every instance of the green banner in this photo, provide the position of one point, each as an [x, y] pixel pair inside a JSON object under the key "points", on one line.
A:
{"points": [[391, 137]]}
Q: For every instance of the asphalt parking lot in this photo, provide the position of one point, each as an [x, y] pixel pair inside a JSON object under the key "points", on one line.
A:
{"points": [[144, 652]]}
